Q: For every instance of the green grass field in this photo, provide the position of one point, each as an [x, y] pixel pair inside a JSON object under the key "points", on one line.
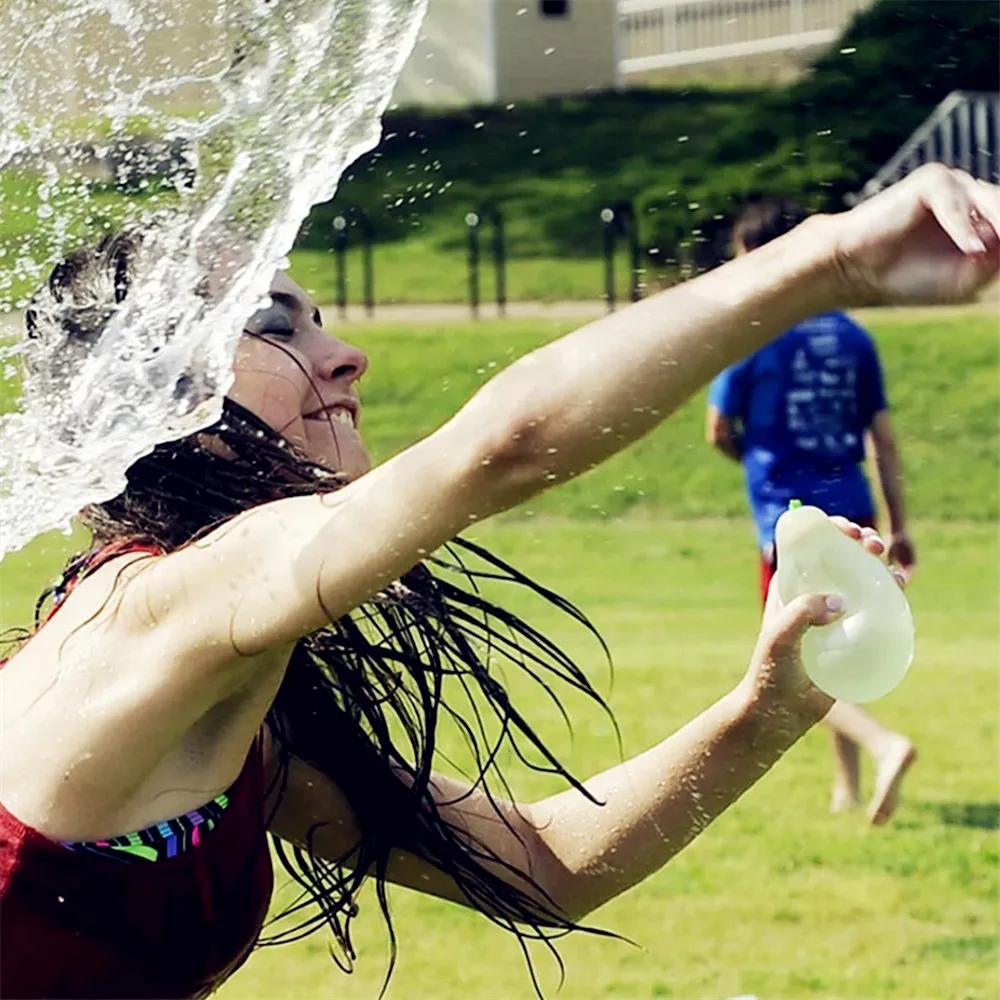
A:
{"points": [[778, 898]]}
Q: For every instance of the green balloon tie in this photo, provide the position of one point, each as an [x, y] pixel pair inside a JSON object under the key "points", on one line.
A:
{"points": [[794, 504]]}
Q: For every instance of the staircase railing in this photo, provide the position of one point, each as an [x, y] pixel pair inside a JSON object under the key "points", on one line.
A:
{"points": [[962, 131]]}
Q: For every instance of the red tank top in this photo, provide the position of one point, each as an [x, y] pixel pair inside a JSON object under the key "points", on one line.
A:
{"points": [[77, 925]]}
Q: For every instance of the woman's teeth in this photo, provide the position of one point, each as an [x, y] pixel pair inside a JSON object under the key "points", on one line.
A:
{"points": [[335, 414]]}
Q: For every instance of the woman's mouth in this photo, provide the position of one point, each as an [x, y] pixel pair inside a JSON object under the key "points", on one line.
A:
{"points": [[337, 414]]}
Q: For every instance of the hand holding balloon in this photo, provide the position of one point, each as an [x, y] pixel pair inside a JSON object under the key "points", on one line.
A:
{"points": [[867, 651]]}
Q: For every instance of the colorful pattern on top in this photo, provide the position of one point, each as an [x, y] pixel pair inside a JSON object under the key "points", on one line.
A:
{"points": [[164, 840]]}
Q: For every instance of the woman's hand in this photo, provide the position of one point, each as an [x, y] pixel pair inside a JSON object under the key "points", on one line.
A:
{"points": [[776, 680], [932, 238]]}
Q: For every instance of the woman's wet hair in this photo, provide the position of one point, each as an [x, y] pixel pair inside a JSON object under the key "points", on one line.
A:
{"points": [[85, 287], [364, 699]]}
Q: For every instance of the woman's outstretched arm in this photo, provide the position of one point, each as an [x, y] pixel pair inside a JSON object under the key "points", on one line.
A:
{"points": [[286, 568], [580, 854]]}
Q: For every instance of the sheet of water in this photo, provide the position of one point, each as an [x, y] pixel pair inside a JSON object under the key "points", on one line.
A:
{"points": [[227, 120]]}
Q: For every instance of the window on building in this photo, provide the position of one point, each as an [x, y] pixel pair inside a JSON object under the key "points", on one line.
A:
{"points": [[553, 8]]}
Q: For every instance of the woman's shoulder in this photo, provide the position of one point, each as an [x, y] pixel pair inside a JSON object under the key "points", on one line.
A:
{"points": [[86, 593], [98, 716]]}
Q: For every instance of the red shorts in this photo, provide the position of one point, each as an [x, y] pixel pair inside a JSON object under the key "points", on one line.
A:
{"points": [[769, 560]]}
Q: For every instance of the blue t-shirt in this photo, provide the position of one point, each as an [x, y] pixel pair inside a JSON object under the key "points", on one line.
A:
{"points": [[803, 404]]}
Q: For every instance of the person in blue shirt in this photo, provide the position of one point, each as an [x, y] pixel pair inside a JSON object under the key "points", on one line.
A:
{"points": [[798, 415]]}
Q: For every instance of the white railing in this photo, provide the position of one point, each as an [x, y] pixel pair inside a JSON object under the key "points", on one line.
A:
{"points": [[662, 34], [962, 131]]}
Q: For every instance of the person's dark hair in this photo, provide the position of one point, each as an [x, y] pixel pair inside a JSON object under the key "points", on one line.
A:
{"points": [[363, 697], [766, 220]]}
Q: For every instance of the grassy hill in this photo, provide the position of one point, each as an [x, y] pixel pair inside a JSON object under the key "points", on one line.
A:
{"points": [[685, 157]]}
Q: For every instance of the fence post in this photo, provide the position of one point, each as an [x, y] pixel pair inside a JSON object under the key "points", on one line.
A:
{"points": [[498, 251], [635, 255], [608, 220], [340, 257], [472, 224], [354, 214], [619, 220], [499, 260]]}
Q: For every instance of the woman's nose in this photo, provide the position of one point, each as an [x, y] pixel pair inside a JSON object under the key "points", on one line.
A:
{"points": [[343, 360]]}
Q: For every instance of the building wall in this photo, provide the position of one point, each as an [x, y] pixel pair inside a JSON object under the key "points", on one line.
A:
{"points": [[452, 62], [540, 56], [73, 73]]}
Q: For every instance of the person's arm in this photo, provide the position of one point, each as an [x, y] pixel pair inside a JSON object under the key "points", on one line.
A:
{"points": [[721, 433], [726, 410], [580, 854], [286, 568], [888, 473]]}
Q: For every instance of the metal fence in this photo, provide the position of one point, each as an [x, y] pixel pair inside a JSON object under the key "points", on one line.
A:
{"points": [[962, 131], [662, 34]]}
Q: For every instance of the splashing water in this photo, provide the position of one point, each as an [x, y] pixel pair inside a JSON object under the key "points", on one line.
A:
{"points": [[226, 121]]}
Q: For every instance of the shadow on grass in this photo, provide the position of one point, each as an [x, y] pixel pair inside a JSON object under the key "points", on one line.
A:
{"points": [[983, 948], [979, 815]]}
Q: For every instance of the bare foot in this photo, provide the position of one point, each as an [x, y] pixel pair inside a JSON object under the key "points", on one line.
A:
{"points": [[891, 768], [847, 774], [843, 800]]}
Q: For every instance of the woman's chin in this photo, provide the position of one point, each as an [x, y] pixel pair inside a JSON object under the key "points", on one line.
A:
{"points": [[342, 452]]}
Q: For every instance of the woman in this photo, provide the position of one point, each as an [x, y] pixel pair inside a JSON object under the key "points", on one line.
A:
{"points": [[203, 679]]}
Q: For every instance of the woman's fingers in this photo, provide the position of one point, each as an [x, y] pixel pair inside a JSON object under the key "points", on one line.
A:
{"points": [[849, 528], [869, 537], [795, 618], [951, 203], [872, 541], [985, 206]]}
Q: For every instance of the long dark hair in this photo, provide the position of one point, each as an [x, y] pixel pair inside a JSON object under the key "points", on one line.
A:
{"points": [[363, 698]]}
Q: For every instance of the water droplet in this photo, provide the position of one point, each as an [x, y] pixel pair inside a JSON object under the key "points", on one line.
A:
{"points": [[315, 132]]}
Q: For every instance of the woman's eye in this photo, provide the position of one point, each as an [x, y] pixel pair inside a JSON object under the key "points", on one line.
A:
{"points": [[274, 322]]}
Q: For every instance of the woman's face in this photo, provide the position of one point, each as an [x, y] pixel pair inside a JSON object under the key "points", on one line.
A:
{"points": [[301, 380]]}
